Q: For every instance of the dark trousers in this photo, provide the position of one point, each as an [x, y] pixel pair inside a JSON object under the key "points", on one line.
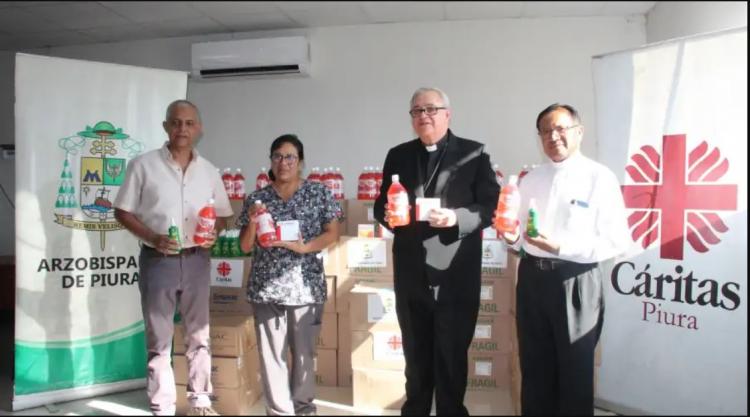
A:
{"points": [[559, 317], [436, 336]]}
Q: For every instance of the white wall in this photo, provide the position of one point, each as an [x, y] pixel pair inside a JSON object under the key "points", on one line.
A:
{"points": [[498, 73], [673, 19]]}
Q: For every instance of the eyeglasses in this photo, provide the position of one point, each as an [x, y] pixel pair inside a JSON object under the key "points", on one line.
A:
{"points": [[428, 110], [288, 158], [559, 129]]}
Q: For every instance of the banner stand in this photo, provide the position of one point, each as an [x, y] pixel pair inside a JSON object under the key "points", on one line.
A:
{"points": [[22, 402]]}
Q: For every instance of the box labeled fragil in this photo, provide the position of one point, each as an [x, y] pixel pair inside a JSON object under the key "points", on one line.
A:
{"points": [[492, 334], [328, 337], [325, 367], [496, 296], [488, 371], [494, 256], [330, 305], [344, 356]]}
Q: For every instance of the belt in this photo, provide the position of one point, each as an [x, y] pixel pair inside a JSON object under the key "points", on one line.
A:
{"points": [[185, 251], [547, 264]]}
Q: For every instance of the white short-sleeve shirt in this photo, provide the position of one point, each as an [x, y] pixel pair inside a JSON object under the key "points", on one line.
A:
{"points": [[156, 191]]}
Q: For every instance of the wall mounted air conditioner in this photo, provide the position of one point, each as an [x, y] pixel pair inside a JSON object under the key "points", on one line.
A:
{"points": [[251, 57]]}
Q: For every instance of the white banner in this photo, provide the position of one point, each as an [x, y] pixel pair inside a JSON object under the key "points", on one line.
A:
{"points": [[672, 124], [78, 316]]}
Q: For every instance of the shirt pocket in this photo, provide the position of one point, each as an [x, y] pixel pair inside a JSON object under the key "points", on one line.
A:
{"points": [[581, 216]]}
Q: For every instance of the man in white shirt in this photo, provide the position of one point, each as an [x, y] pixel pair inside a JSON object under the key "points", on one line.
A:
{"points": [[560, 302], [163, 187]]}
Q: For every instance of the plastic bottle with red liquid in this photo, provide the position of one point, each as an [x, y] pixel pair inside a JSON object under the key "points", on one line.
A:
{"points": [[378, 181], [314, 175], [398, 203], [329, 179], [228, 180], [239, 185], [204, 229], [508, 204], [262, 179], [266, 227], [339, 194], [498, 174], [362, 184]]}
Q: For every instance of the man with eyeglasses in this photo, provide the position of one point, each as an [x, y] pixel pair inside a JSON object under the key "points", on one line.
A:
{"points": [[437, 262], [162, 187], [559, 298]]}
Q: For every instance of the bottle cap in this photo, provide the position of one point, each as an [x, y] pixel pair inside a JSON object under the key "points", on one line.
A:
{"points": [[513, 180], [394, 178], [211, 201], [258, 202]]}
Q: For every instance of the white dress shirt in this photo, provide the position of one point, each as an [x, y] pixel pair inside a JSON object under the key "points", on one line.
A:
{"points": [[580, 207], [156, 191]]}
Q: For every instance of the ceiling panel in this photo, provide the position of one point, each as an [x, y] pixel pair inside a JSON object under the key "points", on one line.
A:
{"points": [[562, 8], [119, 33], [220, 9], [78, 15], [256, 21], [185, 27], [147, 11], [326, 14], [55, 38], [113, 21], [460, 10], [406, 11]]}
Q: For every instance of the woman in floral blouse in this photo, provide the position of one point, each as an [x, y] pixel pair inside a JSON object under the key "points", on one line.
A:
{"points": [[287, 284]]}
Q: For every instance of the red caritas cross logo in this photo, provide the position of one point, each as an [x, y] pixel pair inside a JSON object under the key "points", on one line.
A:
{"points": [[395, 343], [676, 197], [223, 268]]}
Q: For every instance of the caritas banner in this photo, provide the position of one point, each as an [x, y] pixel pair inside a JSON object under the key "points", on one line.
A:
{"points": [[672, 124], [79, 328]]}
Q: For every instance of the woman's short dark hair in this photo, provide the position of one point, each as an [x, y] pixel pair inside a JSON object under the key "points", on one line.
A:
{"points": [[279, 142], [556, 106]]}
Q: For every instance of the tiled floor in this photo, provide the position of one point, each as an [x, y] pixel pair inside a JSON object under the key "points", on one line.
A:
{"points": [[330, 401]]}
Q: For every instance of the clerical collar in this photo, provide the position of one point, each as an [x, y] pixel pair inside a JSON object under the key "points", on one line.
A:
{"points": [[435, 146]]}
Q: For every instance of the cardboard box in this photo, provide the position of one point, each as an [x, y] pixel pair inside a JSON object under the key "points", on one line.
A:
{"points": [[373, 307], [230, 335], [229, 286], [496, 296], [231, 372], [326, 373], [331, 261], [358, 212], [328, 337], [515, 393], [344, 359], [330, 304], [366, 257], [494, 257], [378, 389], [377, 349], [226, 401], [237, 210], [488, 372], [492, 334]]}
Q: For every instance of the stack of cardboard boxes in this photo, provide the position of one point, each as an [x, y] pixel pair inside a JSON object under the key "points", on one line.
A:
{"points": [[489, 353], [370, 353], [234, 365]]}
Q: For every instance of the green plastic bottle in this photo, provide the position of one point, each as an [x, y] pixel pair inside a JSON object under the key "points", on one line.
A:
{"points": [[532, 223], [174, 233], [216, 248]]}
